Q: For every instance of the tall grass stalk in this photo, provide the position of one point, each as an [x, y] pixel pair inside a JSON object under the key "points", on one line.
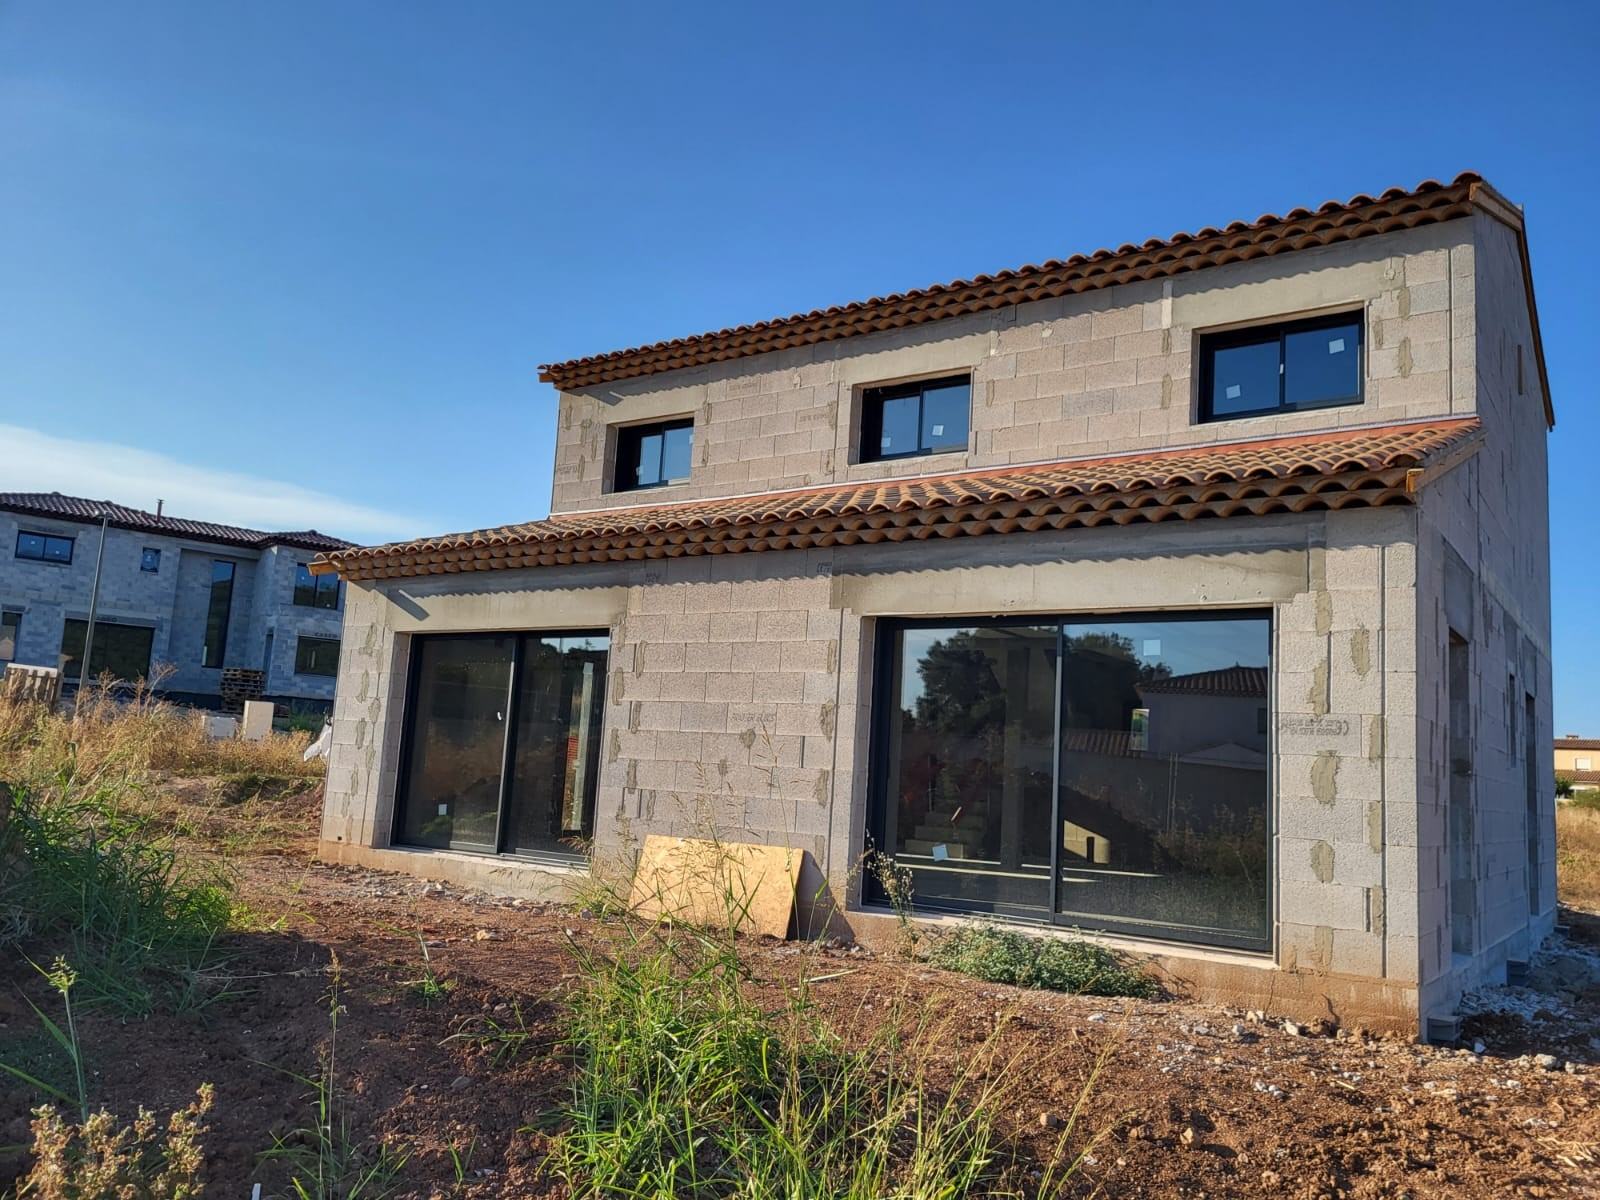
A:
{"points": [[686, 1086]]}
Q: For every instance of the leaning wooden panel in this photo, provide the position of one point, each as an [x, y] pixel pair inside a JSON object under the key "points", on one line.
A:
{"points": [[717, 883]]}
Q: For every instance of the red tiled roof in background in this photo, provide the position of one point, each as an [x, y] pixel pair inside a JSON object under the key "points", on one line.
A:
{"points": [[1360, 216], [1577, 743], [1355, 467], [1235, 681], [76, 508]]}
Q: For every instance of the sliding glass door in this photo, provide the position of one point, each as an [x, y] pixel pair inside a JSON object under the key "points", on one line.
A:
{"points": [[502, 742], [1105, 773]]}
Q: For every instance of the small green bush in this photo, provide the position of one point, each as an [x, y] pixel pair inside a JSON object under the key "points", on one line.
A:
{"points": [[79, 868], [1055, 964]]}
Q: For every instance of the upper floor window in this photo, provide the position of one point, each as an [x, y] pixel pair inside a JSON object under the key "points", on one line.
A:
{"points": [[315, 591], [150, 559], [44, 547], [1290, 367], [908, 419], [654, 455], [218, 610]]}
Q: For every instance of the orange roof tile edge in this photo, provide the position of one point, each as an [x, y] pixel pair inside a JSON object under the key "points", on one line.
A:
{"points": [[1319, 471], [1335, 221]]}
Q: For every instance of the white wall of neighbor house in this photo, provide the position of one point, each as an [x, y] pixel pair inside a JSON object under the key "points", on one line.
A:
{"points": [[739, 690], [1108, 371], [1484, 573]]}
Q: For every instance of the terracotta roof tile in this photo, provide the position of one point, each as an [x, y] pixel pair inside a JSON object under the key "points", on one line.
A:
{"points": [[77, 508], [1357, 467], [1577, 743], [1298, 229], [1236, 681]]}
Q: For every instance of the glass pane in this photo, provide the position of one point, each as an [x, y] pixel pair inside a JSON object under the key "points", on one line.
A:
{"points": [[123, 651], [677, 446], [1322, 366], [1244, 379], [305, 585], [557, 758], [456, 734], [327, 592], [898, 434], [215, 649], [970, 744], [944, 417], [648, 470], [1164, 793], [9, 623]]}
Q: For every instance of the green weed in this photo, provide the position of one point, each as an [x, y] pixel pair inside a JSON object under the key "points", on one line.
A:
{"points": [[1053, 963]]}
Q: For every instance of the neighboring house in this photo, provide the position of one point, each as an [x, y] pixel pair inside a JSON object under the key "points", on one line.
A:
{"points": [[197, 597], [1195, 593], [1578, 759]]}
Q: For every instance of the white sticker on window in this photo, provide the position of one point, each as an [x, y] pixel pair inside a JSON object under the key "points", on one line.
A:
{"points": [[1234, 391], [938, 431], [941, 852], [1335, 345], [1152, 648], [444, 810], [887, 442]]}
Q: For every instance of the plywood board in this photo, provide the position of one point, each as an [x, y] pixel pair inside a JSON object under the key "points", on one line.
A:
{"points": [[715, 883]]}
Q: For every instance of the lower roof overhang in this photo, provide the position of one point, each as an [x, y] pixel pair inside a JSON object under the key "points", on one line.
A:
{"points": [[1370, 467]]}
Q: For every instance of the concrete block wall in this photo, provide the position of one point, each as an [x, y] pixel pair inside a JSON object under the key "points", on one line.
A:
{"points": [[274, 611], [739, 694], [1104, 372]]}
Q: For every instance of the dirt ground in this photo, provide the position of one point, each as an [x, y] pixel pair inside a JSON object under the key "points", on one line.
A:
{"points": [[1194, 1101]]}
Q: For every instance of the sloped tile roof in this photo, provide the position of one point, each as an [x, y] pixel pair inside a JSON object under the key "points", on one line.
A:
{"points": [[1234, 681], [1299, 229], [77, 508], [1357, 467], [1577, 743]]}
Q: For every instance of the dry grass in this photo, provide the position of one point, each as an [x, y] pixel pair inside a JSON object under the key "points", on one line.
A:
{"points": [[1578, 855], [138, 734]]}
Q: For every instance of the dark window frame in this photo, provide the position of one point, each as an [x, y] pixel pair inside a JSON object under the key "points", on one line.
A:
{"points": [[629, 447], [214, 640], [874, 398], [310, 591], [302, 653], [508, 748], [148, 564], [1252, 335], [13, 617], [101, 626], [70, 540], [880, 830]]}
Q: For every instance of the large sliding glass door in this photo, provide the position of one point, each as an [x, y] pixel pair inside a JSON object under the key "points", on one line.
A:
{"points": [[1106, 773], [502, 743]]}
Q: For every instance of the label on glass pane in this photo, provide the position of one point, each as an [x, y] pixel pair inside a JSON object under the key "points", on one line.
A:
{"points": [[1234, 391], [444, 810], [1152, 648], [938, 431], [886, 443], [941, 852], [1335, 345]]}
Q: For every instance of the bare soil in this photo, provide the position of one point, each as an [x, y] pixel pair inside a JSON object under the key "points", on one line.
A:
{"points": [[1194, 1101]]}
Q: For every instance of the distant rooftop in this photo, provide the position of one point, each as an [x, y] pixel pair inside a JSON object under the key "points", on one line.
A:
{"points": [[90, 512]]}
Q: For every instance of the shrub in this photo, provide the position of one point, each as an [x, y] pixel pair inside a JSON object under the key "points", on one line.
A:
{"points": [[685, 1086], [79, 866], [99, 1160], [1056, 964]]}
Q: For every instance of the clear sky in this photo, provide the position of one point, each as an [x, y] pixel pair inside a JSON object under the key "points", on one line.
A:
{"points": [[296, 263]]}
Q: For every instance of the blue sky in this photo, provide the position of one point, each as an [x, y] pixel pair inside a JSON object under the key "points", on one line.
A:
{"points": [[297, 263]]}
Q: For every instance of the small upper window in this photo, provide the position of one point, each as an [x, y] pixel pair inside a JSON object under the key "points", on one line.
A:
{"points": [[1281, 368], [1583, 764], [315, 591], [908, 419], [150, 559], [44, 547], [654, 455]]}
